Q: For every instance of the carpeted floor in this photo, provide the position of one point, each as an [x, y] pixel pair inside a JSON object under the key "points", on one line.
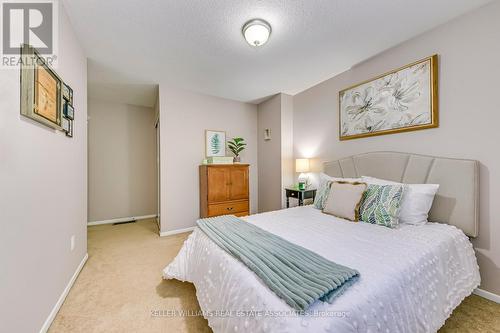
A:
{"points": [[120, 288]]}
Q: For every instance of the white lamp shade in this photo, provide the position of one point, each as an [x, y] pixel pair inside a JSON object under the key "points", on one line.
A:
{"points": [[302, 165]]}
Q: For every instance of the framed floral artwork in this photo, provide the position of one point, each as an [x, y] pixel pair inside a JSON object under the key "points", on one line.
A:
{"points": [[405, 99], [215, 143]]}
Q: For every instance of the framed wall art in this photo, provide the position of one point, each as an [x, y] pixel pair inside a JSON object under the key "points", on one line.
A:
{"points": [[41, 93], [215, 143], [66, 92], [405, 99], [69, 133], [65, 124], [69, 111]]}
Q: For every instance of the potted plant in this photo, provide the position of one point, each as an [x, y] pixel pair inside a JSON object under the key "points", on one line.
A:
{"points": [[236, 145]]}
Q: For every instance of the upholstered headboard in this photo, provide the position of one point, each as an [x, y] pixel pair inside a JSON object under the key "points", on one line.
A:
{"points": [[457, 201]]}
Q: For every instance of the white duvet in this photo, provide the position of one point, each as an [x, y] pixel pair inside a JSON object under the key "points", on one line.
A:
{"points": [[411, 278]]}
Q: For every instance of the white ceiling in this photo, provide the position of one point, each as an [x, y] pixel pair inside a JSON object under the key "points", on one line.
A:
{"points": [[198, 45]]}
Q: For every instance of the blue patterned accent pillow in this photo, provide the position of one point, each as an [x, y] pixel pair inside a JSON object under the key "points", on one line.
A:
{"points": [[381, 204]]}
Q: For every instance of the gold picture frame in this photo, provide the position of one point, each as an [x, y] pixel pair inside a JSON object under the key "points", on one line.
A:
{"points": [[41, 93], [430, 118]]}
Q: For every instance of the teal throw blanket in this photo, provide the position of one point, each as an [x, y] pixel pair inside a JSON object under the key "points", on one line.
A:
{"points": [[297, 275]]}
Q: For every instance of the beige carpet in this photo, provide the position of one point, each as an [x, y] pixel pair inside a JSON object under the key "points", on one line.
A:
{"points": [[121, 286]]}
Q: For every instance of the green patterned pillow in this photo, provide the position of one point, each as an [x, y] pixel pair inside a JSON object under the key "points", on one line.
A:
{"points": [[322, 194], [381, 204]]}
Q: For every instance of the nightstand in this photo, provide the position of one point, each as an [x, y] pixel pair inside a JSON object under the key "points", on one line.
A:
{"points": [[301, 195]]}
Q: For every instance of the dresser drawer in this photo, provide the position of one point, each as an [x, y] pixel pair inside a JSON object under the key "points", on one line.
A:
{"points": [[228, 208]]}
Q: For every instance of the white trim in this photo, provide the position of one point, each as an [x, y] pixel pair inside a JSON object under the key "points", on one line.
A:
{"points": [[122, 219], [487, 295], [175, 232], [61, 299]]}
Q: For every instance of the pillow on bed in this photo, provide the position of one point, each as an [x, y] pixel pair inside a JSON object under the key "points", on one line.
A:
{"points": [[324, 188], [381, 204], [417, 200], [344, 199]]}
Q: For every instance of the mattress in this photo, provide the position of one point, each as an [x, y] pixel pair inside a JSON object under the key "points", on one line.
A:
{"points": [[411, 278]]}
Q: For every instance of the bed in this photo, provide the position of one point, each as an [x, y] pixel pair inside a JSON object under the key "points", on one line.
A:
{"points": [[411, 278]]}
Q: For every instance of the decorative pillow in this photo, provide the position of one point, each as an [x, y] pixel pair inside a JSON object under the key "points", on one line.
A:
{"points": [[381, 204], [325, 182], [344, 199], [417, 200]]}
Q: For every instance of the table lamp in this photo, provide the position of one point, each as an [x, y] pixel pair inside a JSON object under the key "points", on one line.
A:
{"points": [[302, 167]]}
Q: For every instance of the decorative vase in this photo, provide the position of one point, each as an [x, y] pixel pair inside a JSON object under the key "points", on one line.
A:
{"points": [[237, 159]]}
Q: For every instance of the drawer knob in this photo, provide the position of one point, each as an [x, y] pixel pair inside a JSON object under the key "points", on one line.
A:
{"points": [[229, 208]]}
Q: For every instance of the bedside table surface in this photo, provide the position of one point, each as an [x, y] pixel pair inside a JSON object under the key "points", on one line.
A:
{"points": [[290, 188]]}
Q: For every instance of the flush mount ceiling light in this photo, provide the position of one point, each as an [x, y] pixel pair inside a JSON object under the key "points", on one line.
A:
{"points": [[256, 32]]}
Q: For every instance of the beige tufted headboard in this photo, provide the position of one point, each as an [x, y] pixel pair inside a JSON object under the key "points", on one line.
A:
{"points": [[457, 201]]}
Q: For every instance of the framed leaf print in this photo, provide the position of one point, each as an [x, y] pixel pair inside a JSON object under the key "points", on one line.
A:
{"points": [[215, 143], [405, 99]]}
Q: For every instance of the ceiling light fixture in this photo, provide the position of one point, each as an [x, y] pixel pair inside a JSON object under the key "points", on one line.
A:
{"points": [[256, 32]]}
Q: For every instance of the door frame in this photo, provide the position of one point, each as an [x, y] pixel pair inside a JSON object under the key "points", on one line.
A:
{"points": [[158, 174]]}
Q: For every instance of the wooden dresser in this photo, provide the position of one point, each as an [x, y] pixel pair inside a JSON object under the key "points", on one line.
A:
{"points": [[224, 190]]}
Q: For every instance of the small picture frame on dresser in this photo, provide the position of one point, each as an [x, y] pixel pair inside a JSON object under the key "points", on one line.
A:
{"points": [[215, 143]]}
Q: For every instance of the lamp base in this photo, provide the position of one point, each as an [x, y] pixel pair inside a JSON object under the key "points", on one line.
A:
{"points": [[303, 181]]}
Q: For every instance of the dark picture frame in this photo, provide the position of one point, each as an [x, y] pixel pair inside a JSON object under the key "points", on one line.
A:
{"points": [[69, 133], [67, 92], [70, 95], [69, 111], [65, 124]]}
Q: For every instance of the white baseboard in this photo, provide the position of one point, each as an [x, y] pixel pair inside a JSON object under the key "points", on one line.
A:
{"points": [[61, 299], [487, 295], [122, 219], [175, 232]]}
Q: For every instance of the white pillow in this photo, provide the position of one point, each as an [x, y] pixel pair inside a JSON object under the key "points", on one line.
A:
{"points": [[416, 203]]}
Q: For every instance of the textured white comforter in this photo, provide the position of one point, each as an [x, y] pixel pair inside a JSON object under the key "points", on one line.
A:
{"points": [[411, 277]]}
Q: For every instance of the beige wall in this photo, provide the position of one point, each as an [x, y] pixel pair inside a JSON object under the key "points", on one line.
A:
{"points": [[469, 51], [184, 116], [269, 116], [287, 160], [122, 161], [43, 196], [275, 155]]}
